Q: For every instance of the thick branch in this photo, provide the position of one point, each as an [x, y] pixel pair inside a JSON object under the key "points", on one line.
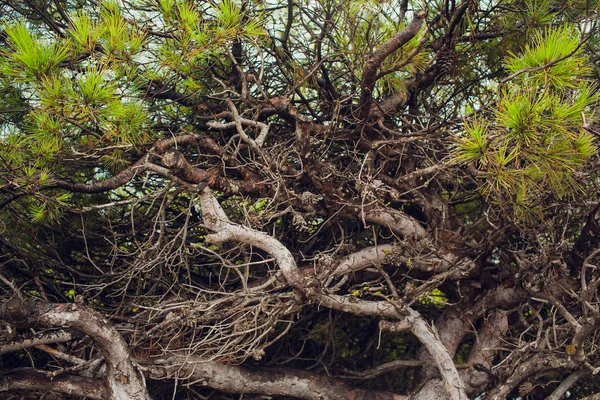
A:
{"points": [[455, 323], [225, 230], [72, 385], [271, 382], [369, 75], [397, 254], [489, 338], [429, 337], [121, 375], [104, 186], [351, 304], [395, 220], [566, 384], [124, 176], [179, 166], [409, 320]]}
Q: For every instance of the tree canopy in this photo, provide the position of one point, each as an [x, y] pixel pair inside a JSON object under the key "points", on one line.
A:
{"points": [[376, 199]]}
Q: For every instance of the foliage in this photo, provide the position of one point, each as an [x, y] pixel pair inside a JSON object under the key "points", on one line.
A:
{"points": [[404, 156]]}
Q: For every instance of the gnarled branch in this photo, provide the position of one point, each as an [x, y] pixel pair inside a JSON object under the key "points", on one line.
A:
{"points": [[121, 376]]}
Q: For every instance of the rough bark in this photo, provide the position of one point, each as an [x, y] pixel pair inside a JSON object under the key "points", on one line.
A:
{"points": [[373, 63], [122, 379], [71, 385], [273, 382], [59, 336], [225, 230]]}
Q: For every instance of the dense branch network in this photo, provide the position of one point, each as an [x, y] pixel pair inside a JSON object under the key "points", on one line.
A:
{"points": [[309, 200]]}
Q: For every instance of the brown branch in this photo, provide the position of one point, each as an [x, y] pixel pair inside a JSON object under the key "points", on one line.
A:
{"points": [[382, 369], [60, 355], [122, 177], [429, 338], [407, 319], [489, 338], [351, 304], [396, 254], [395, 220], [369, 75], [104, 186], [455, 323], [179, 166]]}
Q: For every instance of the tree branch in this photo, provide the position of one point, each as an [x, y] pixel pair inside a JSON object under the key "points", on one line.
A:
{"points": [[225, 230], [545, 362], [369, 75], [429, 338], [408, 320], [566, 384], [59, 336], [71, 385], [121, 376], [271, 382]]}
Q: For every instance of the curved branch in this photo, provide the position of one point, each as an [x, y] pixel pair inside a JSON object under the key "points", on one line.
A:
{"points": [[179, 166], [124, 176], [395, 220], [369, 75], [383, 368], [456, 322], [225, 230], [409, 320], [545, 362], [260, 139], [429, 337], [489, 337], [122, 379], [364, 258], [351, 304], [104, 186], [447, 266]]}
